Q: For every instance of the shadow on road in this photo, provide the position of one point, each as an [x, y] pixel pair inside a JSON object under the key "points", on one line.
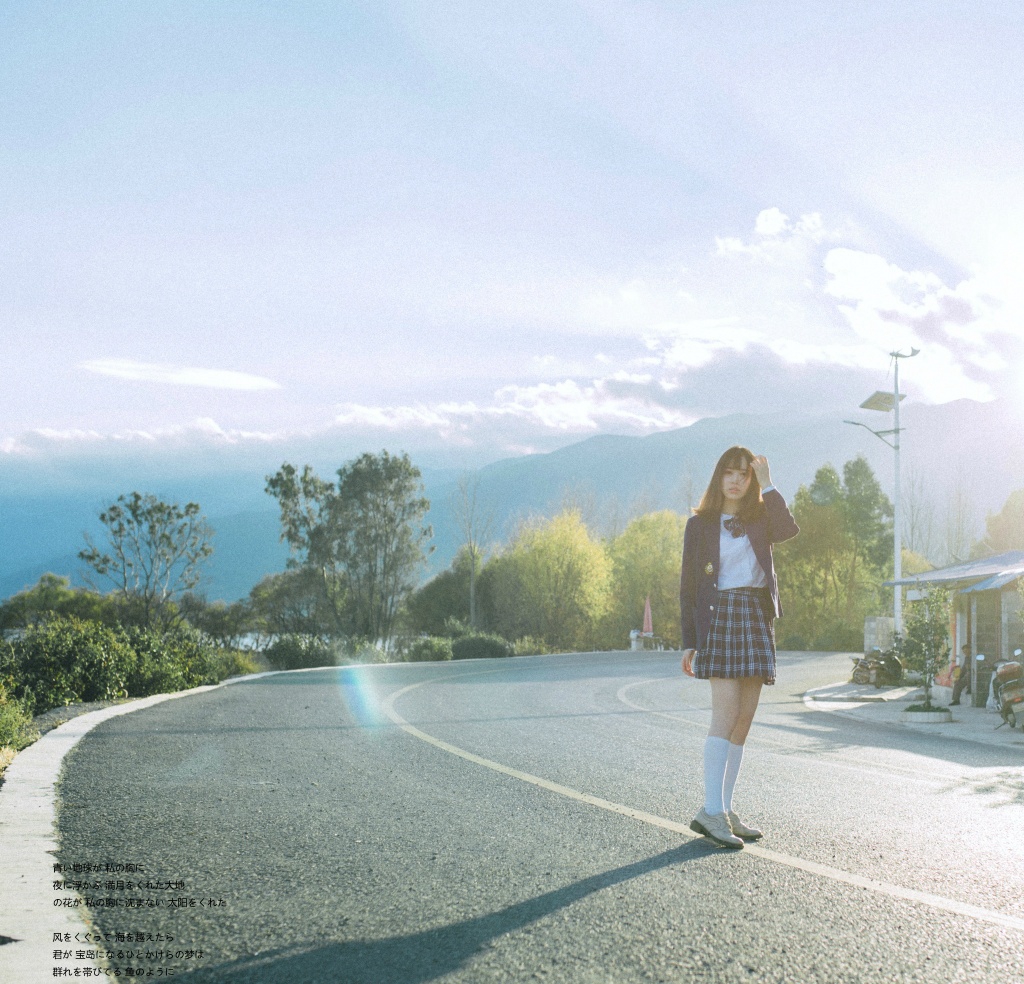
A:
{"points": [[827, 732], [425, 956]]}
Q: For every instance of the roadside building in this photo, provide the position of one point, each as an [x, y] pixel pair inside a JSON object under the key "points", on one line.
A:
{"points": [[986, 609]]}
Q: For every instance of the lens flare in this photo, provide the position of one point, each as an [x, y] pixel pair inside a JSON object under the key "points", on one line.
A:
{"points": [[359, 695]]}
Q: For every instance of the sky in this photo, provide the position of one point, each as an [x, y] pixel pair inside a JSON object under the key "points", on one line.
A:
{"points": [[245, 232]]}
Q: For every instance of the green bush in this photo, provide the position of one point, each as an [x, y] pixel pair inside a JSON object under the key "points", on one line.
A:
{"points": [[299, 652], [530, 646], [835, 636], [234, 662], [7, 666], [456, 628], [361, 651], [16, 729], [158, 668], [481, 646], [179, 660], [427, 650], [66, 661]]}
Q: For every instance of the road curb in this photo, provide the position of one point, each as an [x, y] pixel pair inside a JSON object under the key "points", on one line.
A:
{"points": [[28, 814], [886, 712]]}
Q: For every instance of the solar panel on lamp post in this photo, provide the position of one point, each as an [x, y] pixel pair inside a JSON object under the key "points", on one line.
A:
{"points": [[884, 401]]}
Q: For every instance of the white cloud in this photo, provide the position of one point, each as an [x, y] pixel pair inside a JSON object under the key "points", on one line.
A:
{"points": [[692, 346], [151, 372], [564, 406], [572, 406], [775, 237], [895, 309], [770, 222], [391, 418], [72, 435], [203, 430], [803, 291], [795, 305]]}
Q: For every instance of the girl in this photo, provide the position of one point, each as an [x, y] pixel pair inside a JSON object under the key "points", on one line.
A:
{"points": [[730, 598]]}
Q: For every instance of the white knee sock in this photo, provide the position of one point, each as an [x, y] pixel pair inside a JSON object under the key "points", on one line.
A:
{"points": [[716, 755], [732, 770]]}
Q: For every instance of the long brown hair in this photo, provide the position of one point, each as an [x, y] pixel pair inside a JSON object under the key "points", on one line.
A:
{"points": [[751, 505]]}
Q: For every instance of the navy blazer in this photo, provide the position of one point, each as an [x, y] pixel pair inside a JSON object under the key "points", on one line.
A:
{"points": [[698, 586]]}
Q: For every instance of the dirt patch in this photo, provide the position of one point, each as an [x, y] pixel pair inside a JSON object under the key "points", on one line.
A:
{"points": [[54, 718]]}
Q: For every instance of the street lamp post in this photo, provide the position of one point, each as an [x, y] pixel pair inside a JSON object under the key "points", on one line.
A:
{"points": [[883, 401]]}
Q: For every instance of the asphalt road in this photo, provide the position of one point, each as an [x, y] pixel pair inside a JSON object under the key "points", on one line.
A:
{"points": [[338, 845]]}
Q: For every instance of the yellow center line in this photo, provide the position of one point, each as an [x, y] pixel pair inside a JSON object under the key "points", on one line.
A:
{"points": [[811, 867]]}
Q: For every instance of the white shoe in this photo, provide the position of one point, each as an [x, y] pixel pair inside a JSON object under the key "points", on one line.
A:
{"points": [[740, 829], [716, 826]]}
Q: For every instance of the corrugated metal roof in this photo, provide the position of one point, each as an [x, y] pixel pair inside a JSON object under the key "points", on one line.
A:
{"points": [[996, 581], [1004, 568]]}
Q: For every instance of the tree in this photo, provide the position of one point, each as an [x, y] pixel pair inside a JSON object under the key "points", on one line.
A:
{"points": [[867, 520], [645, 562], [292, 602], [551, 583], [53, 595], [364, 534], [224, 624], [156, 552], [1004, 530], [309, 517], [475, 523], [925, 643], [442, 600], [831, 575], [918, 513], [959, 521]]}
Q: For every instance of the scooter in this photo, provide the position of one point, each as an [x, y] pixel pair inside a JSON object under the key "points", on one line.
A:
{"points": [[881, 669], [889, 670], [1008, 689], [862, 667]]}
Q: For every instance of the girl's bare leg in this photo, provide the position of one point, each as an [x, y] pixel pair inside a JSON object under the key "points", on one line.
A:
{"points": [[733, 705], [750, 695]]}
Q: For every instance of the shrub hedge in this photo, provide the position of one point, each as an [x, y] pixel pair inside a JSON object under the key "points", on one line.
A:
{"points": [[16, 729], [428, 649], [481, 646], [66, 660], [299, 652]]}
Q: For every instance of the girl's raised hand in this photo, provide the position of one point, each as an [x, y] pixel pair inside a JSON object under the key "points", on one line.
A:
{"points": [[760, 465]]}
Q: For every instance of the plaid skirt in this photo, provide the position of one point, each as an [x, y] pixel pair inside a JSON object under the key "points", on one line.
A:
{"points": [[741, 641]]}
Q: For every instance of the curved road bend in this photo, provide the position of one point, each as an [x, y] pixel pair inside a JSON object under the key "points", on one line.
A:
{"points": [[471, 822]]}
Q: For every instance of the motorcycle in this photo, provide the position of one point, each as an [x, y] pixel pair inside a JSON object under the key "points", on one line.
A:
{"points": [[1008, 689], [889, 671], [881, 669], [862, 668]]}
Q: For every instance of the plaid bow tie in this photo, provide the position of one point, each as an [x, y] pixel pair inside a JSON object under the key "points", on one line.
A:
{"points": [[735, 526]]}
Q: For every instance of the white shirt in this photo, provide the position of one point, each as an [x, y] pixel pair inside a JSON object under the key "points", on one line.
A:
{"points": [[737, 563]]}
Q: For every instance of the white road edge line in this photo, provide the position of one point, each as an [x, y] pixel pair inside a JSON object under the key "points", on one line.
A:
{"points": [[811, 867], [28, 832]]}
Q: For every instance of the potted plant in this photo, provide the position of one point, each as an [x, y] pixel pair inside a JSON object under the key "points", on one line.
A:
{"points": [[925, 647]]}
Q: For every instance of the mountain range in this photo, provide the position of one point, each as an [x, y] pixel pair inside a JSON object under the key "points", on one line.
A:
{"points": [[963, 448]]}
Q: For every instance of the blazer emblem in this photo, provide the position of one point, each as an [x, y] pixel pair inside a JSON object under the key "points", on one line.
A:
{"points": [[709, 568]]}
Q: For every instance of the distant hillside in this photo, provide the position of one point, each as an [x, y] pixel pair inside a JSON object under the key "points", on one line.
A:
{"points": [[610, 478]]}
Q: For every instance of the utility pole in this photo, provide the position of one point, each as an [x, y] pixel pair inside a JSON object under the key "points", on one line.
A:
{"points": [[881, 400]]}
